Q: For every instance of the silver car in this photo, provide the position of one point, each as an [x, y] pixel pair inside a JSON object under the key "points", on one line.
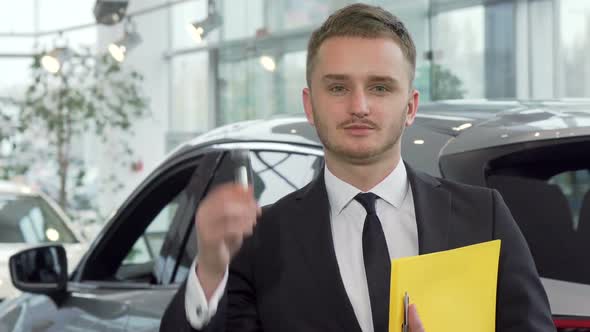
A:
{"points": [[534, 153], [29, 218]]}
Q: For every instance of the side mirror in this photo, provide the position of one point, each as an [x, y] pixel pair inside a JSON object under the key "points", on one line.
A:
{"points": [[41, 270]]}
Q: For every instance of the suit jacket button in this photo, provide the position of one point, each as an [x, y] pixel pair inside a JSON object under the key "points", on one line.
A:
{"points": [[199, 311]]}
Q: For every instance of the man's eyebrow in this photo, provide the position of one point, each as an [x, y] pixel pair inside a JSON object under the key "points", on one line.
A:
{"points": [[383, 79], [335, 77], [372, 78]]}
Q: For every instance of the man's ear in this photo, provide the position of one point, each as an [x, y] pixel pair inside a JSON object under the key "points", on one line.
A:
{"points": [[412, 107], [307, 105]]}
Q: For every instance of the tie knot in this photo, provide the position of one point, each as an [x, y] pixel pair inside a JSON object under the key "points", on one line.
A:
{"points": [[367, 200]]}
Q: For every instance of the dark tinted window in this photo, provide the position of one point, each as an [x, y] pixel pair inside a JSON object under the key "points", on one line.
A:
{"points": [[575, 185], [30, 219], [554, 216]]}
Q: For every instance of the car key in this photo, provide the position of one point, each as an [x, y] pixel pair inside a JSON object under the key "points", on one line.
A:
{"points": [[241, 160]]}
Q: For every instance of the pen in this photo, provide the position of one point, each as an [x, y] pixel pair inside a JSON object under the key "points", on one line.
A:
{"points": [[405, 325]]}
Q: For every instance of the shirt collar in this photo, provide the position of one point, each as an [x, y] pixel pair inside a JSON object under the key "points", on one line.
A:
{"points": [[392, 189]]}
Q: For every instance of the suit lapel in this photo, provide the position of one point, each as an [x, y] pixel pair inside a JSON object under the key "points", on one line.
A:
{"points": [[432, 205], [318, 249]]}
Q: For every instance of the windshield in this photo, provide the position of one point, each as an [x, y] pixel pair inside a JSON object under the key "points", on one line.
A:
{"points": [[30, 219]]}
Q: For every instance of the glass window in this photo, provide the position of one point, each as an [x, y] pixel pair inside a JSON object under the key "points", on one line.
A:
{"points": [[458, 54], [247, 90], [147, 247], [30, 219], [292, 74], [575, 43], [574, 185], [276, 174], [550, 215], [250, 89], [191, 87], [296, 14], [242, 19], [149, 236]]}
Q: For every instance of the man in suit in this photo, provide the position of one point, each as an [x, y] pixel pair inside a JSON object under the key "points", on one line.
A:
{"points": [[318, 259]]}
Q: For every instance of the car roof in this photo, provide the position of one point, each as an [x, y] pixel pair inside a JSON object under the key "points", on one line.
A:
{"points": [[469, 124], [482, 124]]}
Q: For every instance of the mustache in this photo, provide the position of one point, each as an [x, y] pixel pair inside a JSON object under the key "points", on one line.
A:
{"points": [[363, 121]]}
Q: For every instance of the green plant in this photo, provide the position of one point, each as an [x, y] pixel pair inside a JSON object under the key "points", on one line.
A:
{"points": [[445, 84], [89, 93], [8, 137]]}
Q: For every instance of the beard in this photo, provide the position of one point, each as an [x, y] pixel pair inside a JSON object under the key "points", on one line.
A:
{"points": [[358, 154]]}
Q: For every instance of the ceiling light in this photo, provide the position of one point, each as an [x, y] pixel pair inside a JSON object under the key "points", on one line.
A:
{"points": [[200, 29], [130, 40], [268, 63], [53, 60]]}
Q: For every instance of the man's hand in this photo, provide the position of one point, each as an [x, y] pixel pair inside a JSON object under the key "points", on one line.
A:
{"points": [[415, 323], [224, 218]]}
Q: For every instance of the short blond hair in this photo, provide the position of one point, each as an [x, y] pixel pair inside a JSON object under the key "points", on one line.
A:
{"points": [[365, 21]]}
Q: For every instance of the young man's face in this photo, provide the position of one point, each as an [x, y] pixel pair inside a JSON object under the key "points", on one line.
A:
{"points": [[360, 98]]}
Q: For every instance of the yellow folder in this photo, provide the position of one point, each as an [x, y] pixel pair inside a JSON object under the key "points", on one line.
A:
{"points": [[453, 290]]}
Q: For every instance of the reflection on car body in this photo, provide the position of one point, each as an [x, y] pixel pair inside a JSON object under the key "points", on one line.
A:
{"points": [[532, 152]]}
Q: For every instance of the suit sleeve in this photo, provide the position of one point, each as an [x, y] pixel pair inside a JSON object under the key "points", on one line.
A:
{"points": [[522, 304], [236, 310]]}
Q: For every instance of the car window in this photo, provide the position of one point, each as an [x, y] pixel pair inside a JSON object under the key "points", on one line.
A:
{"points": [[148, 246], [142, 241], [30, 219], [551, 215], [143, 261], [275, 174], [574, 185]]}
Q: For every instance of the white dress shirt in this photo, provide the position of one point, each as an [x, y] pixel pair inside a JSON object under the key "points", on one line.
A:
{"points": [[395, 209]]}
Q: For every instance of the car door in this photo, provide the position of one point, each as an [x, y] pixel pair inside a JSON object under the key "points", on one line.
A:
{"points": [[123, 283], [136, 265]]}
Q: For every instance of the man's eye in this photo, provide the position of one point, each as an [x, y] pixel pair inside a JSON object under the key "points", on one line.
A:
{"points": [[380, 88], [337, 89]]}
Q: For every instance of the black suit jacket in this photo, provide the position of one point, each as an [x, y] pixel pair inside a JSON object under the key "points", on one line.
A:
{"points": [[286, 277]]}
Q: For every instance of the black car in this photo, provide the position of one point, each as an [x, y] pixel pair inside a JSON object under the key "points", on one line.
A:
{"points": [[535, 153]]}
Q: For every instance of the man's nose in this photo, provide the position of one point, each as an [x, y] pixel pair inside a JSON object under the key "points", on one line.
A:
{"points": [[359, 104]]}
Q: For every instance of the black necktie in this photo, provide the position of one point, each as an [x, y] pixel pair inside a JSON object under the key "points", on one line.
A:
{"points": [[377, 263]]}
